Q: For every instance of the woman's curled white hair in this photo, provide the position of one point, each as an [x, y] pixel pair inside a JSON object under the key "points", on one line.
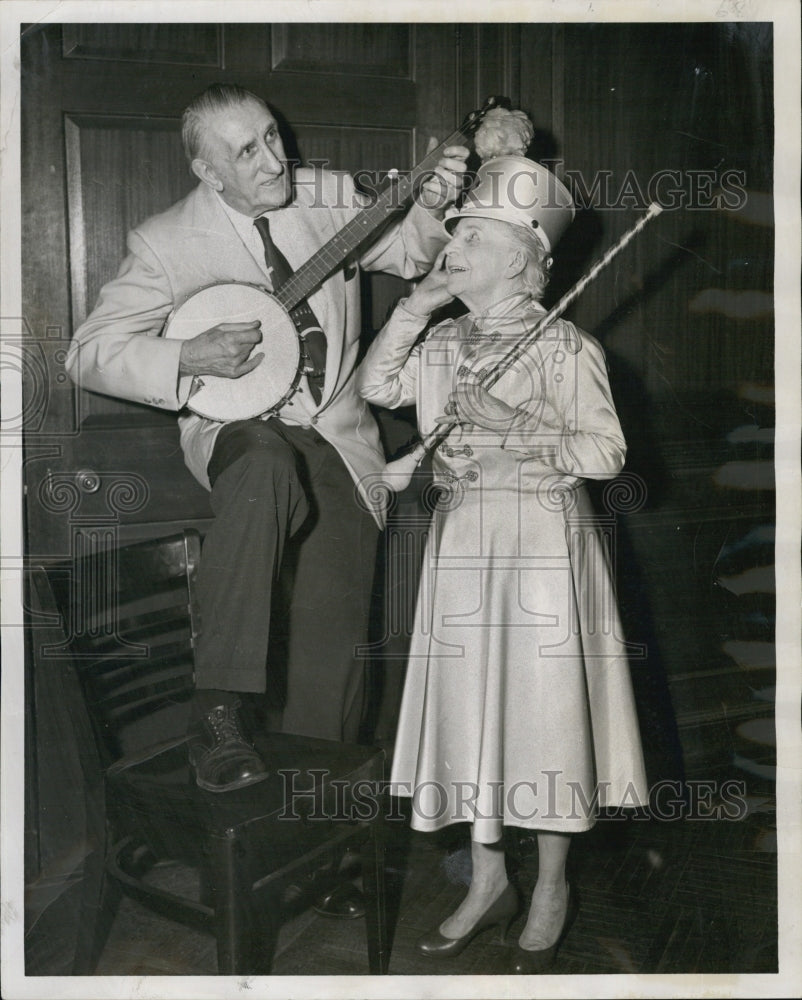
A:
{"points": [[535, 275]]}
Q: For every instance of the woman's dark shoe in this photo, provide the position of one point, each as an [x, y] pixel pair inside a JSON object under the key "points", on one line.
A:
{"points": [[502, 912], [526, 962]]}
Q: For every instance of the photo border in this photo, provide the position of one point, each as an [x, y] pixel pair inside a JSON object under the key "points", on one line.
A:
{"points": [[787, 169]]}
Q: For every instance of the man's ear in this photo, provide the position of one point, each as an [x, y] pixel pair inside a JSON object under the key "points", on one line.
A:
{"points": [[205, 172], [517, 263]]}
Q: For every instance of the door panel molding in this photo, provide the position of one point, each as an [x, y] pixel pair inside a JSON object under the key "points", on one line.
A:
{"points": [[353, 49], [171, 44], [134, 163]]}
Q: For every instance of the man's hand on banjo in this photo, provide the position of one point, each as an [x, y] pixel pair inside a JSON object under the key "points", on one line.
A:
{"points": [[444, 186], [223, 350]]}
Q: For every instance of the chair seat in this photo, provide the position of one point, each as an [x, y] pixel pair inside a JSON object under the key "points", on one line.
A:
{"points": [[308, 794]]}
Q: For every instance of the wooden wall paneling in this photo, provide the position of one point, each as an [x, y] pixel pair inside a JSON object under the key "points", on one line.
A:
{"points": [[639, 102], [730, 317], [100, 87], [367, 154], [661, 112], [620, 95], [438, 110], [364, 152], [588, 94], [540, 86], [247, 49], [489, 62], [180, 44], [557, 89], [353, 96], [352, 48], [349, 100], [433, 114], [121, 170], [45, 295], [349, 74], [499, 63], [138, 473], [728, 343], [467, 80]]}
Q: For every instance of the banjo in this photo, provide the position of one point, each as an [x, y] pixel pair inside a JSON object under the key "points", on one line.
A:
{"points": [[271, 385]]}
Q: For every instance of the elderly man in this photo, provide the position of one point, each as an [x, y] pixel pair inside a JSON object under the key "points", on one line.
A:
{"points": [[250, 219]]}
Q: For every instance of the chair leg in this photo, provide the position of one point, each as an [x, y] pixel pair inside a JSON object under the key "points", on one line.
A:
{"points": [[267, 924], [100, 899], [206, 888], [246, 934], [373, 881]]}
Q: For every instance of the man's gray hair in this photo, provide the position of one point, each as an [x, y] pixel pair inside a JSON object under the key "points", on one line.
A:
{"points": [[216, 98]]}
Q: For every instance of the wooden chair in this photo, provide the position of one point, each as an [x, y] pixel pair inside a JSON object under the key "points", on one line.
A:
{"points": [[130, 618]]}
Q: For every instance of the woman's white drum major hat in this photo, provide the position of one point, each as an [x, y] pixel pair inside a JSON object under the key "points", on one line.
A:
{"points": [[522, 192]]}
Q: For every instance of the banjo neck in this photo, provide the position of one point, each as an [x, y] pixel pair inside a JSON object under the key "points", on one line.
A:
{"points": [[268, 387], [320, 265]]}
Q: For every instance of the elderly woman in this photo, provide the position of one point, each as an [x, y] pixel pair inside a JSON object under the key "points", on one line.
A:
{"points": [[518, 706]]}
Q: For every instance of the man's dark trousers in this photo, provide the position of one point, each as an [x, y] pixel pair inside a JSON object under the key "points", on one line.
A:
{"points": [[270, 482]]}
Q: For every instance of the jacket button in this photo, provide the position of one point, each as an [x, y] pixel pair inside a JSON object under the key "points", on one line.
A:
{"points": [[314, 420]]}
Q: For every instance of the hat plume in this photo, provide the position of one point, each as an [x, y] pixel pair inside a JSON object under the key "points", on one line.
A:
{"points": [[503, 133]]}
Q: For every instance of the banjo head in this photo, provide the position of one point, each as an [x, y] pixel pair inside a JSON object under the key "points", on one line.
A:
{"points": [[273, 379]]}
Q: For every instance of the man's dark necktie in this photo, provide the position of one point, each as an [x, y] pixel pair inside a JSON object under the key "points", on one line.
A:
{"points": [[313, 339]]}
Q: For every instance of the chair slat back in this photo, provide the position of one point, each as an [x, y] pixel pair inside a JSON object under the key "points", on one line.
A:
{"points": [[130, 616]]}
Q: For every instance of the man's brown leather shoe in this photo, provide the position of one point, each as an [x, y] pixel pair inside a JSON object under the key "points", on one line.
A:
{"points": [[222, 758]]}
